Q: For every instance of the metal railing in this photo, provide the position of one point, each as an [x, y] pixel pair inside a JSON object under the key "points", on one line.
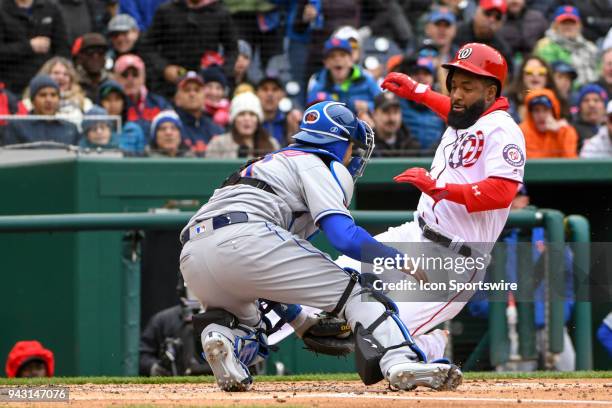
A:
{"points": [[497, 336]]}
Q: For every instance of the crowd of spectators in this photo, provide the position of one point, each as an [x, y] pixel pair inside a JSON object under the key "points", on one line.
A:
{"points": [[231, 78]]}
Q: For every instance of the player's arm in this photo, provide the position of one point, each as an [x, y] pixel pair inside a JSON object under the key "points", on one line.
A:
{"points": [[492, 193], [404, 86], [352, 240]]}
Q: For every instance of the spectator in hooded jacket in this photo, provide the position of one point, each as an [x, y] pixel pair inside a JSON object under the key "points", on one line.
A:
{"points": [[31, 32], [98, 132], [546, 133], [591, 114], [167, 137], [600, 145], [142, 105], [523, 27], [182, 32], [45, 94], [29, 359], [215, 95], [198, 127], [342, 80], [564, 42], [131, 138]]}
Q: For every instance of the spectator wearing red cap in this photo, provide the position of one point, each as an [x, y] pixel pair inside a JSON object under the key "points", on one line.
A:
{"points": [[89, 53], [564, 42], [182, 32], [484, 28], [523, 27], [29, 359], [142, 105], [198, 127], [31, 32]]}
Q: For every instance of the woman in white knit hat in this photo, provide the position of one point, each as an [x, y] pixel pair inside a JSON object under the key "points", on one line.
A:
{"points": [[247, 137]]}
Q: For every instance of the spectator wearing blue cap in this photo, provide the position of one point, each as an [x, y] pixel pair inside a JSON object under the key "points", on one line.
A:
{"points": [[425, 126], [564, 42], [591, 103], [343, 80], [523, 27], [215, 95], [441, 28], [45, 97], [167, 136], [600, 145]]}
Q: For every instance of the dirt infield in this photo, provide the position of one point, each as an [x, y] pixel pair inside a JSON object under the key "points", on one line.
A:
{"points": [[482, 393]]}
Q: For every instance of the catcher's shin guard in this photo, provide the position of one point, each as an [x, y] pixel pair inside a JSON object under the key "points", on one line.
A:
{"points": [[368, 350]]}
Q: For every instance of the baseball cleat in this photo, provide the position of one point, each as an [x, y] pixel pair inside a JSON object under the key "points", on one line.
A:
{"points": [[409, 375], [229, 372]]}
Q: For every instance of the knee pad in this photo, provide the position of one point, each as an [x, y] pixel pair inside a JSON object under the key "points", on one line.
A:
{"points": [[249, 343], [368, 350]]}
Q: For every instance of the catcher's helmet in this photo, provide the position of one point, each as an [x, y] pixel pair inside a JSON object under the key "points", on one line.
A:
{"points": [[479, 59], [331, 126]]}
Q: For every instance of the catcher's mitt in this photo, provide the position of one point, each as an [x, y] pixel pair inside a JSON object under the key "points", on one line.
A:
{"points": [[331, 335]]}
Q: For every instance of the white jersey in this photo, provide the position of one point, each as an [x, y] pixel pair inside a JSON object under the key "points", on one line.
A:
{"points": [[494, 146]]}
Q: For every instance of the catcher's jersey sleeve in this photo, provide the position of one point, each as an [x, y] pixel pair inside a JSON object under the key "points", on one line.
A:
{"points": [[322, 193]]}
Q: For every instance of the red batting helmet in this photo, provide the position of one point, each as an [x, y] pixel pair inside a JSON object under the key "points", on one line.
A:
{"points": [[479, 59]]}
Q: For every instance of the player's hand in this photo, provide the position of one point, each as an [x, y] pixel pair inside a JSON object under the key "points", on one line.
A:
{"points": [[423, 180], [404, 86], [40, 44]]}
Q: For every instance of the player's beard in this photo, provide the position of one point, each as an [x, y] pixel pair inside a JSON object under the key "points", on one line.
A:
{"points": [[465, 119]]}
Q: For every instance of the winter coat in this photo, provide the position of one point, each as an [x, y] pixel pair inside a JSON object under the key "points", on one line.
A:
{"points": [[198, 132], [521, 32], [180, 36], [599, 146], [563, 143], [360, 86], [29, 131], [425, 126], [18, 63], [579, 53]]}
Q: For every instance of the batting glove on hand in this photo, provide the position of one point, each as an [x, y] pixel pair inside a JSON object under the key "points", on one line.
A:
{"points": [[404, 86], [423, 180]]}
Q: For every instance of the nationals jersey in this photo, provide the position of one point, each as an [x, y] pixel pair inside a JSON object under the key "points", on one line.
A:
{"points": [[494, 146]]}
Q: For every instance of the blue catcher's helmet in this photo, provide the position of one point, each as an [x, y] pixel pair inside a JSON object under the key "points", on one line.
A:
{"points": [[331, 126]]}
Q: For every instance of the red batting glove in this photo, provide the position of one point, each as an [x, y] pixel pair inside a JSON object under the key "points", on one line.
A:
{"points": [[404, 86], [421, 179]]}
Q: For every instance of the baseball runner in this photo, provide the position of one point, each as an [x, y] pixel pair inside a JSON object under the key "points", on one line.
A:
{"points": [[249, 242], [476, 172]]}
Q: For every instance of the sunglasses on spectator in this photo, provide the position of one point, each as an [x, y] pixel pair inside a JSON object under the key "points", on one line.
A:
{"points": [[493, 13], [536, 71], [130, 72], [90, 52]]}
